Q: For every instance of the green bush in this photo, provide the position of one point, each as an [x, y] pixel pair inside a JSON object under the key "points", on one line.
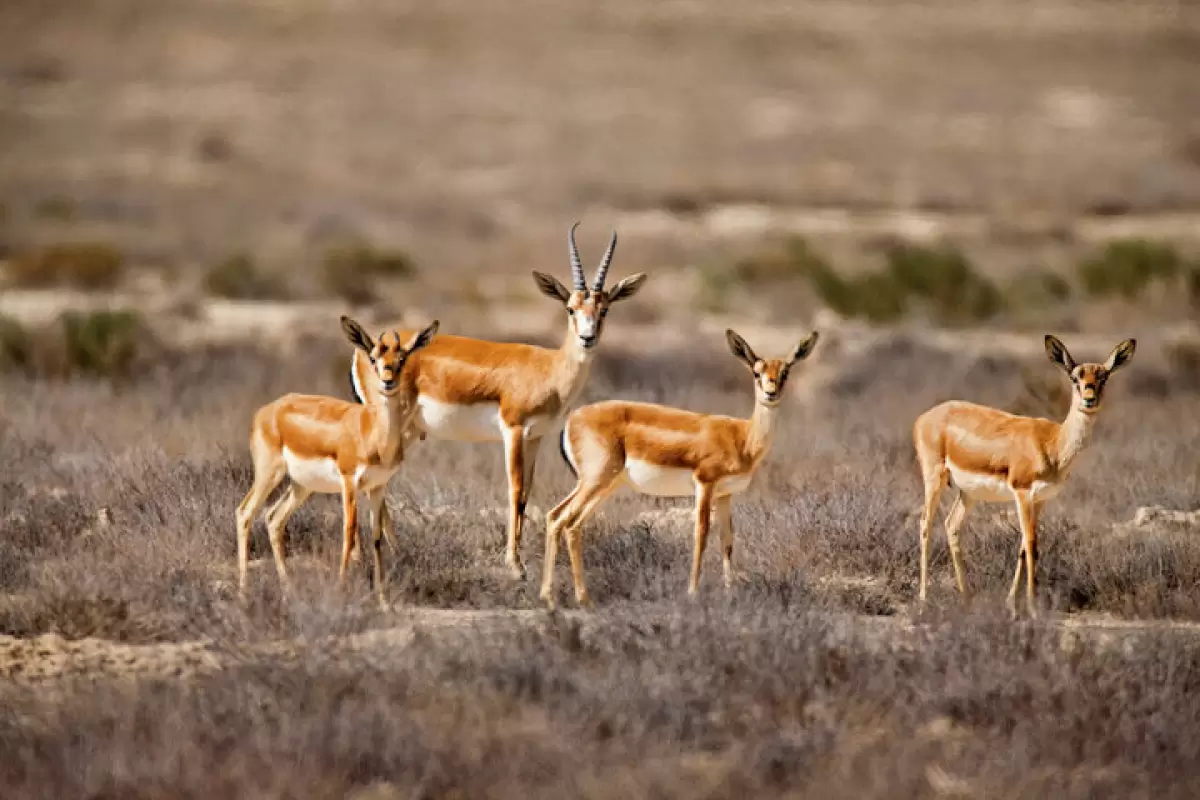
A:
{"points": [[81, 265], [943, 278], [102, 342], [795, 259], [1127, 266], [349, 269], [239, 277]]}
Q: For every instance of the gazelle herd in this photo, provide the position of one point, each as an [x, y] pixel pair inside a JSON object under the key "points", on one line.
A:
{"points": [[410, 385]]}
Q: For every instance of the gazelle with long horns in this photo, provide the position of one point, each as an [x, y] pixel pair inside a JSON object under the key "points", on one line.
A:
{"points": [[332, 446], [997, 457], [477, 390], [658, 450]]}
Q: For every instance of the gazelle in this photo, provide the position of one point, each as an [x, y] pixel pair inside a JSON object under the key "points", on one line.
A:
{"points": [[669, 452], [994, 456], [475, 390], [329, 445]]}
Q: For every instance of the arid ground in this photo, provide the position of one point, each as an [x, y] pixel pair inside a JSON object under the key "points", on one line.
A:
{"points": [[192, 192]]}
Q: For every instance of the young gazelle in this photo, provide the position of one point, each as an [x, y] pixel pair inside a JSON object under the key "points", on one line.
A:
{"points": [[994, 456], [668, 452], [475, 390], [329, 445]]}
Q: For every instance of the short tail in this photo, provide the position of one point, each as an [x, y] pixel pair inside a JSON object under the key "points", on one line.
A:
{"points": [[562, 448]]}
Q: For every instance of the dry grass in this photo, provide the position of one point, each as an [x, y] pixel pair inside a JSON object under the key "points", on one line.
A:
{"points": [[773, 690]]}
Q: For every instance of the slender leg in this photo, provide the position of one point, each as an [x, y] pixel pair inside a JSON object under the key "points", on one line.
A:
{"points": [[514, 457], [553, 532], [349, 524], [1016, 581], [704, 493], [277, 518], [954, 520], [587, 504], [267, 475], [1028, 512], [935, 481], [375, 500], [723, 508]]}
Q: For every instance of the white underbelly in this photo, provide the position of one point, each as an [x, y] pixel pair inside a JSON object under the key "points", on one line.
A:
{"points": [[479, 422], [321, 474], [980, 487], [649, 478]]}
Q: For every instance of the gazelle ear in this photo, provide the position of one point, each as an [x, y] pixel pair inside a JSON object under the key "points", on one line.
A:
{"points": [[1056, 351], [803, 349], [357, 335], [739, 347], [1121, 354], [551, 286], [423, 338], [626, 287]]}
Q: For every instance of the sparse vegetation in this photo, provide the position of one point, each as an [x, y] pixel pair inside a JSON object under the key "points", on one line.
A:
{"points": [[239, 277], [56, 207], [651, 691], [78, 265]]}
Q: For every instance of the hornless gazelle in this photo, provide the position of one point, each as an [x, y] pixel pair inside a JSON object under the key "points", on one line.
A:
{"points": [[475, 390], [332, 446], [670, 452], [994, 456]]}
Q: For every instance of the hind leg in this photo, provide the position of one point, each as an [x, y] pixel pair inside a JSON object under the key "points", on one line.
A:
{"points": [[723, 509], [954, 520], [268, 473], [935, 481], [277, 519]]}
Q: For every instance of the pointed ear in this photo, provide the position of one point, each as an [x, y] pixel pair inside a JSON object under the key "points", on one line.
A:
{"points": [[1121, 354], [626, 287], [423, 338], [357, 335], [1056, 351], [803, 349], [551, 286], [739, 347]]}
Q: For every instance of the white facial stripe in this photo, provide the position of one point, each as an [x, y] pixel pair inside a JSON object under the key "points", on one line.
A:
{"points": [[585, 325]]}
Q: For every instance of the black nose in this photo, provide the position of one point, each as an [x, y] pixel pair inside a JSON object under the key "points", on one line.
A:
{"points": [[588, 340]]}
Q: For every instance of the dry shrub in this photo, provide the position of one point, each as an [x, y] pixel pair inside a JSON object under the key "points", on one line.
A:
{"points": [[79, 265], [1126, 267], [108, 344]]}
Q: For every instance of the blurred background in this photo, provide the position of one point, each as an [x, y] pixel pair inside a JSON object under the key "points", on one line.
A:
{"points": [[234, 165]]}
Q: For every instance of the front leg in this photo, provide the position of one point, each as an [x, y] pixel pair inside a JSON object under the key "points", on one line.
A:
{"points": [[1027, 510], [704, 498], [514, 461], [375, 500], [349, 524]]}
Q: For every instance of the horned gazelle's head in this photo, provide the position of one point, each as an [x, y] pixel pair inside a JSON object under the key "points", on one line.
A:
{"points": [[587, 305], [387, 353], [770, 375], [1088, 379]]}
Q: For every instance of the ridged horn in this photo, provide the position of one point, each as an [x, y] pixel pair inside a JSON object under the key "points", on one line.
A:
{"points": [[602, 272], [576, 264]]}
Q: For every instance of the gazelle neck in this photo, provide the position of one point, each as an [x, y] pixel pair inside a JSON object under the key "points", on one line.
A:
{"points": [[1074, 433], [573, 364], [391, 414], [762, 429]]}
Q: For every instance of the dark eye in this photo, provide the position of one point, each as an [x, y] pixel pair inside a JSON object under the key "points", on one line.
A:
{"points": [[570, 312], [603, 313]]}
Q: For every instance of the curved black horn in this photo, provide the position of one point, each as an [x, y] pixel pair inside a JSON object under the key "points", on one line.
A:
{"points": [[576, 264], [602, 272]]}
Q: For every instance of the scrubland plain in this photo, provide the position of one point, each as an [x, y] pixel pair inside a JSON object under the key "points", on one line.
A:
{"points": [[192, 192]]}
